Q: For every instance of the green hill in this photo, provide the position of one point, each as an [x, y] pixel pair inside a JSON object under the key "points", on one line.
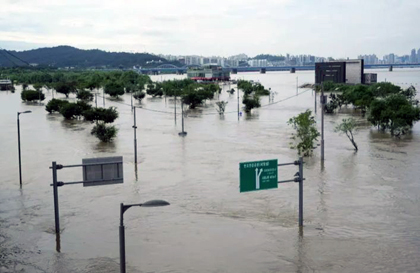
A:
{"points": [[67, 56]]}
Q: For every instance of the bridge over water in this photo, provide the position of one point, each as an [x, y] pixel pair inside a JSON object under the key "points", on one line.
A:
{"points": [[169, 68]]}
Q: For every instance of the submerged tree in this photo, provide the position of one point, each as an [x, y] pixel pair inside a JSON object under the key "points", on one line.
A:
{"points": [[114, 89], [55, 105], [348, 127], [221, 105], [31, 95], [84, 95], [139, 95], [105, 133], [306, 133]]}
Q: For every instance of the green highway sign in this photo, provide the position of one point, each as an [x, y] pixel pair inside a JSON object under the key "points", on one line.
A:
{"points": [[258, 175]]}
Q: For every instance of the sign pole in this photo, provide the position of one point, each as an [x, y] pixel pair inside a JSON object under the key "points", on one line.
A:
{"points": [[301, 192], [55, 190], [122, 240]]}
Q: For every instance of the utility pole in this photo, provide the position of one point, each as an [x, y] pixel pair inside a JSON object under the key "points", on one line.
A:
{"points": [[20, 161], [103, 95], [175, 107], [135, 137], [183, 133], [297, 86], [322, 120], [238, 101]]}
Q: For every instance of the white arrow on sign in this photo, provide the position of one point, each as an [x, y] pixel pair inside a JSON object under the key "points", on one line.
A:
{"points": [[257, 178]]}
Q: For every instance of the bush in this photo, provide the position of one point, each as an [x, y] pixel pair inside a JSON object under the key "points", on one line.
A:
{"points": [[114, 89], [251, 102], [31, 95], [139, 95], [104, 133], [84, 95], [64, 88], [74, 110], [54, 105], [101, 114], [155, 90], [395, 113]]}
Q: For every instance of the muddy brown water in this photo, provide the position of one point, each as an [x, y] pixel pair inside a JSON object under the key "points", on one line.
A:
{"points": [[361, 210]]}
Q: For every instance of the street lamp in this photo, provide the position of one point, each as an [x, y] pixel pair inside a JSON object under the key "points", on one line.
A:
{"points": [[123, 208], [20, 162]]}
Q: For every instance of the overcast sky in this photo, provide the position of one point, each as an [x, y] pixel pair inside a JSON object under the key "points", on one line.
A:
{"points": [[341, 28]]}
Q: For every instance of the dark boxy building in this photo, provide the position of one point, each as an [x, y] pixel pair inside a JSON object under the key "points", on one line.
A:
{"points": [[349, 71]]}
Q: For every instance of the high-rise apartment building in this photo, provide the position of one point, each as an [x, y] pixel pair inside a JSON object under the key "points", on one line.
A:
{"points": [[413, 56]]}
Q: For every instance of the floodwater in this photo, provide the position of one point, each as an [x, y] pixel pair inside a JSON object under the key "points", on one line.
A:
{"points": [[361, 210]]}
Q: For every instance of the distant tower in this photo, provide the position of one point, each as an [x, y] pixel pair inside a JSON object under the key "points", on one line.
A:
{"points": [[418, 55], [413, 57]]}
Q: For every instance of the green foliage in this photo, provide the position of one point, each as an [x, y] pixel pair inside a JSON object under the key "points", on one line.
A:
{"points": [[348, 127], [139, 95], [74, 110], [31, 95], [251, 102], [175, 87], [252, 92], [384, 89], [395, 113], [306, 132], [93, 81], [101, 114], [114, 89], [84, 95], [155, 89], [55, 105], [66, 56], [37, 86], [104, 133], [64, 88], [195, 94], [245, 86]]}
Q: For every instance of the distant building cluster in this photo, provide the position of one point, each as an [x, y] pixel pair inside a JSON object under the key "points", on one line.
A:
{"points": [[201, 60], [287, 60], [244, 60], [412, 58]]}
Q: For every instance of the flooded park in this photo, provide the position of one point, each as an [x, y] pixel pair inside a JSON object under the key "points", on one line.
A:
{"points": [[361, 209]]}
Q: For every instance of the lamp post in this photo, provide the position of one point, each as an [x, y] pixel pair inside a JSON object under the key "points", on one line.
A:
{"points": [[183, 133], [123, 208], [20, 162]]}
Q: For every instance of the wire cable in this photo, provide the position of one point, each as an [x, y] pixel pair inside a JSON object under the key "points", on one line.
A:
{"points": [[13, 55]]}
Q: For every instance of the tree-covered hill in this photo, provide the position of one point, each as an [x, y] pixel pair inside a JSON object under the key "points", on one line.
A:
{"points": [[67, 56]]}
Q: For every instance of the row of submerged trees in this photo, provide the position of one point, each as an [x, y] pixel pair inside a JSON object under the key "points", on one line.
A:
{"points": [[388, 107], [116, 83]]}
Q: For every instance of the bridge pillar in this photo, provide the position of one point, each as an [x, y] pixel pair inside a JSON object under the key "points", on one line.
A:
{"points": [[390, 68], [234, 71], [292, 70], [262, 70]]}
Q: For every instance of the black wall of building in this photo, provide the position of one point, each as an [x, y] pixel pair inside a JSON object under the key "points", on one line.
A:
{"points": [[331, 71]]}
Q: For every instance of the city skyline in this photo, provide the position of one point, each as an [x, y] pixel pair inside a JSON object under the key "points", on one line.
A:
{"points": [[224, 28]]}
